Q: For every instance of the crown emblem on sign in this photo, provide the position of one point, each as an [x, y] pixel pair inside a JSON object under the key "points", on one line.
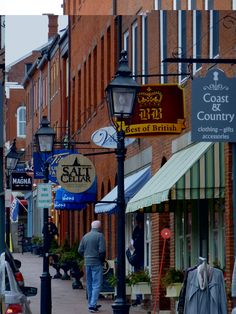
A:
{"points": [[150, 97]]}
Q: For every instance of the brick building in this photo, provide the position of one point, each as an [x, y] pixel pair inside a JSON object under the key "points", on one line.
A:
{"points": [[123, 7], [201, 223], [94, 55]]}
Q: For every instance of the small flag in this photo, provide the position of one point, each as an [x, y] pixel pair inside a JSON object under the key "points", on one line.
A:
{"points": [[14, 210]]}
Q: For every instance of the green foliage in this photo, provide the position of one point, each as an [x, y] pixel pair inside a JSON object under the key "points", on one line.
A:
{"points": [[37, 240], [172, 275], [139, 276], [112, 280]]}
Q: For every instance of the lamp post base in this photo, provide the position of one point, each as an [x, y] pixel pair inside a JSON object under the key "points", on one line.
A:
{"points": [[120, 307], [46, 299]]}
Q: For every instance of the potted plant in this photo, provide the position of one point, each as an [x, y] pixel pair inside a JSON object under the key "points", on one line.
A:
{"points": [[140, 282], [112, 281], [37, 245], [172, 281]]}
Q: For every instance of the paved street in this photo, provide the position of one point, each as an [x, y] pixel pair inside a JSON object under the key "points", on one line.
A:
{"points": [[64, 298]]}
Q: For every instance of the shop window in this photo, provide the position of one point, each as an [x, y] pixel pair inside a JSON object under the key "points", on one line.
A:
{"points": [[147, 242]]}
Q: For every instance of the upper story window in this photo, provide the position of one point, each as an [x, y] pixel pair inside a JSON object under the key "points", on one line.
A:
{"points": [[135, 48], [158, 4], [197, 32], [182, 42], [21, 121], [192, 4], [126, 42], [176, 4], [163, 44], [234, 4], [144, 49], [214, 34], [209, 4]]}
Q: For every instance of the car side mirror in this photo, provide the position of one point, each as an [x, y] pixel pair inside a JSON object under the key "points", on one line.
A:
{"points": [[29, 291], [17, 263]]}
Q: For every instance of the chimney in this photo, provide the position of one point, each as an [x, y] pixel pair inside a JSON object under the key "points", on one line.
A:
{"points": [[52, 25]]}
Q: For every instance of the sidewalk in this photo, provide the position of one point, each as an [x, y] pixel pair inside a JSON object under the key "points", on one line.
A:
{"points": [[64, 298]]}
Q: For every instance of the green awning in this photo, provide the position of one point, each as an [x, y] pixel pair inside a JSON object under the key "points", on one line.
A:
{"points": [[196, 172]]}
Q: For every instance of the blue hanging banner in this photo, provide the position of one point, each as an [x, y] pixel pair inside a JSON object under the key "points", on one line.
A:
{"points": [[65, 200], [53, 160]]}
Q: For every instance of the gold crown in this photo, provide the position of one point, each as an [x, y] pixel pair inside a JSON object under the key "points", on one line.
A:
{"points": [[150, 97]]}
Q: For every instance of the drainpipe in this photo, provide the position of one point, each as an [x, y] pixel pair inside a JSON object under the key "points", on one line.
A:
{"points": [[119, 36], [114, 7]]}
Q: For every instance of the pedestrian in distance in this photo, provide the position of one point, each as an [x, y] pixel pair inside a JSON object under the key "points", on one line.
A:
{"points": [[93, 248]]}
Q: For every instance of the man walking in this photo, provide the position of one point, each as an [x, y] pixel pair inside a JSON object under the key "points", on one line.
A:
{"points": [[93, 248]]}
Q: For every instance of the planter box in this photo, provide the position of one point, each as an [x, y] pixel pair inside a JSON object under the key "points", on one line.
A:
{"points": [[141, 288], [173, 290], [128, 290]]}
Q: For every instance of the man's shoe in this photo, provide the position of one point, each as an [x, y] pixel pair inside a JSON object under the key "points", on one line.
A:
{"points": [[93, 309], [98, 306]]}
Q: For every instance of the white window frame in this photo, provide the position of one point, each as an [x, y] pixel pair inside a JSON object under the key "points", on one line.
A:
{"points": [[19, 109], [147, 242], [234, 4], [206, 4], [125, 36], [134, 27], [174, 4], [144, 17], [195, 41], [156, 5]]}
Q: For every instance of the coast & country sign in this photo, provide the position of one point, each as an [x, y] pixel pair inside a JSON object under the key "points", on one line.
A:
{"points": [[213, 108]]}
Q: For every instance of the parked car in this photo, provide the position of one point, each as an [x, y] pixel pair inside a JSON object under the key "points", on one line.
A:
{"points": [[15, 266], [15, 300]]}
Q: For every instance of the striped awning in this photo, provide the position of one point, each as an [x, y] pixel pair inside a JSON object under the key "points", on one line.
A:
{"points": [[196, 172]]}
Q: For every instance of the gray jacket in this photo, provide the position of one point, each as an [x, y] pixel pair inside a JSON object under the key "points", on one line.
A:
{"points": [[212, 300], [93, 248]]}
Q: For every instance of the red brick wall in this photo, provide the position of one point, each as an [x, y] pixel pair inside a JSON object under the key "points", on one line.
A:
{"points": [[131, 7]]}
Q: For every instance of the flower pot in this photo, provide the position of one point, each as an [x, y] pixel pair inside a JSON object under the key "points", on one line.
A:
{"points": [[141, 288], [173, 290]]}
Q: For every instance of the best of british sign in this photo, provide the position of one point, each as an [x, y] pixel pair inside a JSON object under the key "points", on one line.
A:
{"points": [[213, 108], [159, 109]]}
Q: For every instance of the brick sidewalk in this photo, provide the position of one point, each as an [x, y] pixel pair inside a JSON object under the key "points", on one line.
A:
{"points": [[64, 298]]}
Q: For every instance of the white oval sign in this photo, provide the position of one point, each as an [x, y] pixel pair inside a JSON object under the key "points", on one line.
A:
{"points": [[75, 173], [107, 137]]}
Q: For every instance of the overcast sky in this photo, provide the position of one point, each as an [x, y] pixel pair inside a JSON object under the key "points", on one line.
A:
{"points": [[30, 7], [26, 33]]}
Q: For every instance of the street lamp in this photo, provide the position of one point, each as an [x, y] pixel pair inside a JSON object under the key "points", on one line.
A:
{"points": [[45, 139], [12, 158], [121, 93]]}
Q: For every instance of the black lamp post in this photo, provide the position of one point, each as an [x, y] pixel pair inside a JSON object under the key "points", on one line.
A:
{"points": [[121, 94], [45, 139], [12, 158]]}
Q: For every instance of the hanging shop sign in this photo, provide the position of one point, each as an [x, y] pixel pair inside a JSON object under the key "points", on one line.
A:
{"points": [[213, 108], [75, 173], [39, 160], [21, 181], [44, 195], [159, 109], [107, 137]]}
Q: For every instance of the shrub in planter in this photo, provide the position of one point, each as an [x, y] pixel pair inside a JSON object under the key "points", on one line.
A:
{"points": [[172, 281]]}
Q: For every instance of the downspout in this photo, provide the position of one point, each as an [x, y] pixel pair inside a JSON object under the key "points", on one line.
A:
{"points": [[119, 36], [114, 7]]}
